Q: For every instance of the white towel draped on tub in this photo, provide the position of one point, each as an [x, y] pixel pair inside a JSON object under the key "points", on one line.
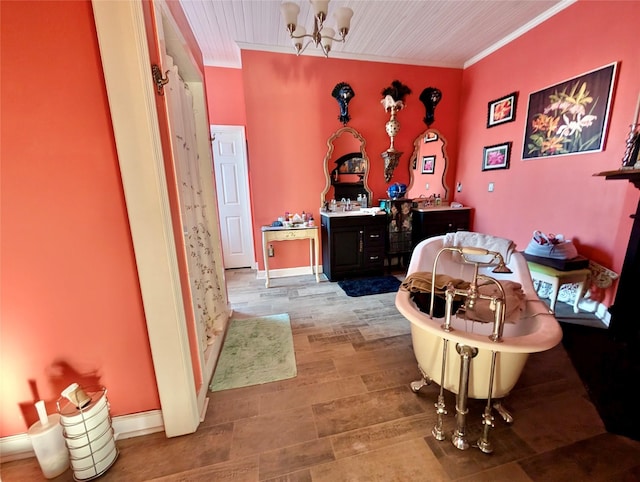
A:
{"points": [[460, 239]]}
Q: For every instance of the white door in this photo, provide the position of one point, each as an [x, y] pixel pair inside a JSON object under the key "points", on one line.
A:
{"points": [[232, 186]]}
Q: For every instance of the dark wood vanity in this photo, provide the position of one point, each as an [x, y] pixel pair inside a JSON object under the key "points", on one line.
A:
{"points": [[356, 244], [429, 222], [353, 245]]}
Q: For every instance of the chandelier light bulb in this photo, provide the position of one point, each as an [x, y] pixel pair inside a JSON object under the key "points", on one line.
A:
{"points": [[297, 38], [326, 35], [320, 7], [290, 13], [343, 19]]}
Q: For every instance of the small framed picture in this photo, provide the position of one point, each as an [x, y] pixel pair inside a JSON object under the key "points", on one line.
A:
{"points": [[430, 136], [496, 157], [428, 164], [502, 110]]}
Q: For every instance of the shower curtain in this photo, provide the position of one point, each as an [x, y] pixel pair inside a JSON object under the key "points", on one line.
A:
{"points": [[207, 296]]}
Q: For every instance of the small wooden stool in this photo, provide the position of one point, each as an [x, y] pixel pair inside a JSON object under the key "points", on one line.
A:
{"points": [[558, 278]]}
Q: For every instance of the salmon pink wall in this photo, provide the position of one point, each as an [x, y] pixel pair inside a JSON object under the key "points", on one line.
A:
{"points": [[225, 96], [71, 303], [291, 114], [557, 194]]}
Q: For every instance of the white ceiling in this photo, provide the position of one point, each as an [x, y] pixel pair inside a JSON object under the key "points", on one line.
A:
{"points": [[441, 33]]}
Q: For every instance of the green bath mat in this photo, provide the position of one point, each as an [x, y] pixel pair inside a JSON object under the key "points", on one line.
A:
{"points": [[255, 351]]}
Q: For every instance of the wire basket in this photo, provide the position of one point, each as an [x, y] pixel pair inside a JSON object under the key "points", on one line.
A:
{"points": [[88, 435]]}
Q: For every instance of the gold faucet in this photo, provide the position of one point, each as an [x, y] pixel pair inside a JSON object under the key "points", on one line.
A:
{"points": [[496, 303]]}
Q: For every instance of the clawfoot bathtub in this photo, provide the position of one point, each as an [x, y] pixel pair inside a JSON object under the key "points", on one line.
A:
{"points": [[490, 368]]}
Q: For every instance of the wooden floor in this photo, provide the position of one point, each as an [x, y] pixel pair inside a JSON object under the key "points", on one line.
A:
{"points": [[349, 415]]}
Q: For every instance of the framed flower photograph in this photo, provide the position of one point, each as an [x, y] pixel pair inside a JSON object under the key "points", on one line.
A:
{"points": [[496, 157], [570, 117], [502, 110], [428, 164]]}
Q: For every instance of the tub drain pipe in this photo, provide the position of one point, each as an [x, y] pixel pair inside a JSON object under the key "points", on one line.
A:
{"points": [[437, 431], [487, 418], [459, 438]]}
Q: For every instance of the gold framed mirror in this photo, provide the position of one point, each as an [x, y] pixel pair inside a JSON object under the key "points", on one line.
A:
{"points": [[428, 166], [346, 166]]}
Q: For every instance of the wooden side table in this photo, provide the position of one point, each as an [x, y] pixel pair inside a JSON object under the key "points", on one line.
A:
{"points": [[270, 234], [558, 278]]}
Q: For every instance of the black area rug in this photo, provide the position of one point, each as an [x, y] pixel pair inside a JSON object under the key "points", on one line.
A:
{"points": [[370, 286], [608, 366], [610, 370]]}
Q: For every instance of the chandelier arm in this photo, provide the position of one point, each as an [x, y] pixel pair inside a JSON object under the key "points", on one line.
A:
{"points": [[311, 36], [339, 39], [302, 36], [305, 46]]}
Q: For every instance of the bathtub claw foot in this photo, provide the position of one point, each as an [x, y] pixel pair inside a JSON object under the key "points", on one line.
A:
{"points": [[417, 385], [504, 413]]}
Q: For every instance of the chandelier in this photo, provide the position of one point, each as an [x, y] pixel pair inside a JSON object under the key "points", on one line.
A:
{"points": [[321, 36]]}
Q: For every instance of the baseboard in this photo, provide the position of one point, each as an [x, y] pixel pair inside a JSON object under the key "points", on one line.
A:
{"points": [[284, 272], [17, 447], [211, 355]]}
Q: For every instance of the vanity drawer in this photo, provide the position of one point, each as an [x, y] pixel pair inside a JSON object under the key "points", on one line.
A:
{"points": [[374, 236], [374, 256], [428, 223]]}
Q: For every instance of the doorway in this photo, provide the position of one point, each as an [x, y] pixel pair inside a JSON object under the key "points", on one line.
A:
{"points": [[232, 187]]}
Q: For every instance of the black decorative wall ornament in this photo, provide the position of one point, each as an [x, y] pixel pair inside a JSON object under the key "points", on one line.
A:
{"points": [[430, 98], [343, 93]]}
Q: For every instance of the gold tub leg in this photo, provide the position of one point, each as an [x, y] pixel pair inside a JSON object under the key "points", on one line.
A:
{"points": [[504, 413]]}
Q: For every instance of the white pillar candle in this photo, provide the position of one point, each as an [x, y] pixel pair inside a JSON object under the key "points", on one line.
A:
{"points": [[48, 443], [635, 115]]}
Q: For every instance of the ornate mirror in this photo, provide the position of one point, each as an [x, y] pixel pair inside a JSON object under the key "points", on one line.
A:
{"points": [[428, 166], [346, 166]]}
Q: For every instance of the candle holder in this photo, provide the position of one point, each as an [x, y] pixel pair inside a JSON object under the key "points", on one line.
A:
{"points": [[630, 158]]}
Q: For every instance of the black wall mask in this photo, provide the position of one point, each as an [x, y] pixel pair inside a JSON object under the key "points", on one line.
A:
{"points": [[430, 97], [343, 93]]}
